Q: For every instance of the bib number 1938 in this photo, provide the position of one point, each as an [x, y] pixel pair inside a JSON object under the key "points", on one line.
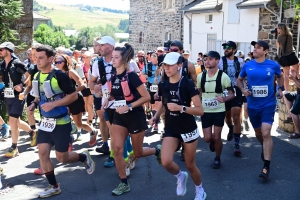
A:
{"points": [[47, 124]]}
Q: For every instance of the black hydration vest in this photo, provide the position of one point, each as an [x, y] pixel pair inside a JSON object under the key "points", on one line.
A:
{"points": [[218, 80], [236, 64], [15, 72], [102, 72], [181, 90], [148, 69]]}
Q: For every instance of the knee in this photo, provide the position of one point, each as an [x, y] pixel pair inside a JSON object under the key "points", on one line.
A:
{"points": [[166, 163], [207, 139], [217, 137], [118, 150], [62, 158], [236, 118], [266, 136]]}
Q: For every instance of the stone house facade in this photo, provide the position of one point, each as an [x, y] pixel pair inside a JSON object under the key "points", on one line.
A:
{"points": [[39, 19]]}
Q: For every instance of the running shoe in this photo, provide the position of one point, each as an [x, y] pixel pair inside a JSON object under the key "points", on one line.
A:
{"points": [[237, 150], [216, 164], [200, 195], [242, 128], [127, 168], [38, 171], [93, 138], [230, 134], [264, 173], [122, 188], [103, 149], [89, 164], [33, 138], [50, 191], [247, 127], [132, 161], [158, 157], [11, 153], [181, 184], [4, 132], [110, 162], [74, 128]]}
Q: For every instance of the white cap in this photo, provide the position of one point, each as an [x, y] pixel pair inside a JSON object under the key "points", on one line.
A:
{"points": [[7, 45], [238, 53], [186, 51], [172, 58], [107, 40]]}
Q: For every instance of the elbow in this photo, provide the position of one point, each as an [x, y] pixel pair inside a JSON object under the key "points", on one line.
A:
{"points": [[147, 98]]}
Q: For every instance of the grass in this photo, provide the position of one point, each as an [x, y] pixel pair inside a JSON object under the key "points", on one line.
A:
{"points": [[65, 15]]}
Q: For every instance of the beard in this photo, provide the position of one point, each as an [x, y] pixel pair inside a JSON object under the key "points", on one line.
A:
{"points": [[228, 54], [141, 60]]}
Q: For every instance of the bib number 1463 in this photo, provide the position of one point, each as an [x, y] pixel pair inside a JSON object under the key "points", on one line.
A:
{"points": [[48, 124]]}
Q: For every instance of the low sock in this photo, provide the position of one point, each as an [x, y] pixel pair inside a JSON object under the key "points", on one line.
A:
{"points": [[81, 157], [237, 137], [267, 164], [178, 175], [131, 153], [33, 127], [112, 155], [105, 144], [124, 180], [217, 158], [14, 145], [51, 178], [79, 130], [199, 187]]}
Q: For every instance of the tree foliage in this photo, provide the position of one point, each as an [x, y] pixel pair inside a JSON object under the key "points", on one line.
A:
{"points": [[124, 25], [53, 37], [10, 10]]}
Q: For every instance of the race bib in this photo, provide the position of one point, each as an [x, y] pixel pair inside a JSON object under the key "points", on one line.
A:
{"points": [[119, 103], [9, 93], [153, 88], [47, 124], [210, 103], [105, 93], [260, 91], [190, 136], [32, 93]]}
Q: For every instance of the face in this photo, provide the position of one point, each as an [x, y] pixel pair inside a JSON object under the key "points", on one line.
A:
{"points": [[42, 61], [172, 70], [278, 30], [186, 56], [29, 55], [205, 61], [228, 51], [140, 57], [154, 58], [117, 59], [259, 51], [96, 48], [86, 59], [160, 52], [3, 53], [59, 63], [211, 62], [77, 54], [33, 52], [105, 49], [175, 49]]}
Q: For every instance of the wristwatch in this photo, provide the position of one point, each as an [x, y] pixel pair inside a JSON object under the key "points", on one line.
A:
{"points": [[183, 109], [129, 106]]}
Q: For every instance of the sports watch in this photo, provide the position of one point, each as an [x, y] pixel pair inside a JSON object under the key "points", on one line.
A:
{"points": [[129, 106], [183, 109]]}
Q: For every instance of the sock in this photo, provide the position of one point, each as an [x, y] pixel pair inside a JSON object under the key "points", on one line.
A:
{"points": [[14, 145], [51, 178], [157, 151], [112, 155], [33, 127], [78, 130], [81, 157], [267, 164], [246, 119], [105, 144], [217, 158], [199, 187], [124, 180], [31, 132], [126, 159], [178, 175], [131, 153], [237, 137]]}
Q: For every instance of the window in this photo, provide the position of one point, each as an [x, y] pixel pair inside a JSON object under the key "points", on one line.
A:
{"points": [[233, 12], [211, 42], [208, 18], [168, 36], [141, 38], [166, 4]]}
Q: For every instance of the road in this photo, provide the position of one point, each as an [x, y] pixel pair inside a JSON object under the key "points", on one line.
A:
{"points": [[237, 179]]}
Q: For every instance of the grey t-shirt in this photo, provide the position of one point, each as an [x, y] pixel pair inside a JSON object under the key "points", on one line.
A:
{"points": [[289, 46]]}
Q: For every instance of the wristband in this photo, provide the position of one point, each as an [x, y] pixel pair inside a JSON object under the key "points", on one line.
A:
{"points": [[35, 103]]}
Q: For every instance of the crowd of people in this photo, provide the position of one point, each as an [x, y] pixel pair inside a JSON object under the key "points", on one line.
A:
{"points": [[129, 92]]}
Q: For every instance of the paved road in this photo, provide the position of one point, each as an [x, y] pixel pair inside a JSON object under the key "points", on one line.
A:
{"points": [[237, 179]]}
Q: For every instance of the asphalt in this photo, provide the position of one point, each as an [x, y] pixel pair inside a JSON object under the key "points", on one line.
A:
{"points": [[237, 179]]}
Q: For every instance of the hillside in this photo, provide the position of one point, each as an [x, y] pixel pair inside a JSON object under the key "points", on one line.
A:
{"points": [[73, 16]]}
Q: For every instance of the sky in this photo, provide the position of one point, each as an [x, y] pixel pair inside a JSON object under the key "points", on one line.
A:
{"points": [[114, 4]]}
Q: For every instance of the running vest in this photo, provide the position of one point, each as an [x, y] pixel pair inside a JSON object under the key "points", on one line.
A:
{"points": [[148, 69], [46, 87], [181, 90], [218, 80], [15, 73], [236, 64], [102, 72]]}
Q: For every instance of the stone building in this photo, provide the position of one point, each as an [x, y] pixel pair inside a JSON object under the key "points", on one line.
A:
{"points": [[39, 19]]}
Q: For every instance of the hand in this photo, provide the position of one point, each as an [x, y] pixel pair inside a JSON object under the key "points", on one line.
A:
{"points": [[152, 120], [174, 107], [156, 96], [279, 94], [246, 92], [19, 87], [31, 108], [98, 91], [155, 81], [48, 106], [122, 110], [104, 104], [21, 96], [220, 99]]}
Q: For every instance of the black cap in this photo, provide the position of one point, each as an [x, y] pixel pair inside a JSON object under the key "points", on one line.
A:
{"points": [[167, 44], [230, 43], [177, 43], [261, 43], [214, 54]]}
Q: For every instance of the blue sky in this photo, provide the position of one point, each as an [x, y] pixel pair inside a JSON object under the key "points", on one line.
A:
{"points": [[114, 4]]}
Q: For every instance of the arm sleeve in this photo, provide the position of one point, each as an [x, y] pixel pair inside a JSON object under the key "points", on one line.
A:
{"points": [[199, 80], [134, 80], [64, 82], [95, 70]]}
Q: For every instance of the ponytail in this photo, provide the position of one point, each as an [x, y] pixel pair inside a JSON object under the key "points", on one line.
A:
{"points": [[127, 53]]}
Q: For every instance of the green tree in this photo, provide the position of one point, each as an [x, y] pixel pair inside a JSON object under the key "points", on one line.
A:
{"points": [[10, 10], [124, 25]]}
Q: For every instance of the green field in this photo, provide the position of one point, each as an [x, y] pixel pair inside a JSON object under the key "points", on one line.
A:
{"points": [[64, 15]]}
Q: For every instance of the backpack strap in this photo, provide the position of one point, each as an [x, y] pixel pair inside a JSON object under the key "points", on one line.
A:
{"points": [[218, 80], [225, 64], [203, 80], [102, 72], [182, 89], [185, 69], [238, 66]]}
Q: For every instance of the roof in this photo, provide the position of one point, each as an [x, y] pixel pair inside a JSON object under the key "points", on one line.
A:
{"points": [[40, 17], [248, 4], [203, 6]]}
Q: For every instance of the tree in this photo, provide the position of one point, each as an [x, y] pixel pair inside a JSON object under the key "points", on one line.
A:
{"points": [[296, 3], [124, 25], [10, 10]]}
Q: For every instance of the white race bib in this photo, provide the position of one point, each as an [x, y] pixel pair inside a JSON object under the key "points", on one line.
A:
{"points": [[9, 93], [226, 93], [105, 92], [153, 88], [32, 93], [190, 136], [119, 103], [47, 124], [260, 91], [210, 103]]}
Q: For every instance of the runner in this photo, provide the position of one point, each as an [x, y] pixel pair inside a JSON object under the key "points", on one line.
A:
{"points": [[177, 94], [261, 98], [212, 84], [127, 94], [54, 91]]}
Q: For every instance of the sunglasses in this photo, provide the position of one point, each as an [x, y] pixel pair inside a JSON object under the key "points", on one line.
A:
{"points": [[58, 62], [174, 50], [140, 56], [227, 47], [160, 51]]}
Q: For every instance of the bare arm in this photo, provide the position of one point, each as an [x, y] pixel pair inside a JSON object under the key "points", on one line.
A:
{"points": [[192, 72], [73, 75], [145, 96], [240, 85], [93, 82]]}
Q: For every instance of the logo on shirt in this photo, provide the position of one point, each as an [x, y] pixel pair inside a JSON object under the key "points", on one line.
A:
{"points": [[268, 71]]}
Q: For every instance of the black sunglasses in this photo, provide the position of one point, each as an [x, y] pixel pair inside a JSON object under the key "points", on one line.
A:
{"points": [[58, 62], [174, 50]]}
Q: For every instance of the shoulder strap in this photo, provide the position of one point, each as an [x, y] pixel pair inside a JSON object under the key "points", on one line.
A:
{"points": [[52, 73], [219, 88], [182, 89], [203, 80], [102, 73], [238, 66], [225, 65]]}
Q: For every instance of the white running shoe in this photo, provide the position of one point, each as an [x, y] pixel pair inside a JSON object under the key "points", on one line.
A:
{"points": [[127, 170], [131, 161], [200, 195], [181, 184], [89, 164], [50, 191]]}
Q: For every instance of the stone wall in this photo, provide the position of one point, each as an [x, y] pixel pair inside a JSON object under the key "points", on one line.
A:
{"points": [[149, 23], [24, 27]]}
